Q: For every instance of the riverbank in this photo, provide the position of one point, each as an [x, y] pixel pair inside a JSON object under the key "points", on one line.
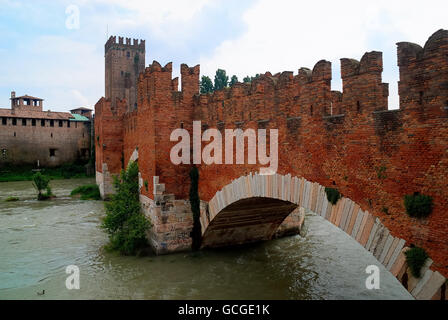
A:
{"points": [[25, 173]]}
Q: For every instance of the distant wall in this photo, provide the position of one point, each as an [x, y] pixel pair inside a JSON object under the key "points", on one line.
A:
{"points": [[51, 146]]}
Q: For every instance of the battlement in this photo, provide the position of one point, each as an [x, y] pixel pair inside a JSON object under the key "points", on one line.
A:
{"points": [[121, 44], [371, 62]]}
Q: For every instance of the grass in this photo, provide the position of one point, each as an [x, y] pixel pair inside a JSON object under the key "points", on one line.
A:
{"points": [[25, 173], [87, 192], [12, 199]]}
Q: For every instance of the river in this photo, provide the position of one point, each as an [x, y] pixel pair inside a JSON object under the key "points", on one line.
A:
{"points": [[38, 240]]}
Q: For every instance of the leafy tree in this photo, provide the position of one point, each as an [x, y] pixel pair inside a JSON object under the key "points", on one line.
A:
{"points": [[221, 79], [248, 79], [233, 80], [418, 205], [206, 84], [124, 221], [40, 183]]}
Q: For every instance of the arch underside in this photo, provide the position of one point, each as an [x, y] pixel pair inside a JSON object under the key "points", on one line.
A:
{"points": [[247, 220], [252, 207]]}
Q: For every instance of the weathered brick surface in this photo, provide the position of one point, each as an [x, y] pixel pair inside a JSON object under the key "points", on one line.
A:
{"points": [[331, 138]]}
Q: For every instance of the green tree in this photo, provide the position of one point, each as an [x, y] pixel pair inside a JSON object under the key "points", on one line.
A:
{"points": [[124, 221], [233, 80], [40, 183], [221, 79], [247, 79], [206, 84]]}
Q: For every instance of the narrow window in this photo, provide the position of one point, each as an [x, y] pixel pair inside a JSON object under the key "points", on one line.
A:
{"points": [[128, 54], [14, 121], [420, 98], [358, 107], [23, 122], [42, 123], [15, 134], [51, 134], [68, 124], [52, 152], [311, 110], [4, 121], [51, 123], [33, 122], [181, 125], [60, 123]]}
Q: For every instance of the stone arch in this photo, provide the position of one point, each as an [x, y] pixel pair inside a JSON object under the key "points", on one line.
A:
{"points": [[293, 192]]}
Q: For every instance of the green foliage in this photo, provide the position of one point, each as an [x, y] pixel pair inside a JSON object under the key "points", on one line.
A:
{"points": [[87, 192], [124, 221], [195, 203], [146, 185], [418, 205], [333, 195], [12, 199], [381, 172], [248, 79], [40, 183], [385, 210], [221, 79], [25, 173], [416, 258], [233, 80], [206, 85]]}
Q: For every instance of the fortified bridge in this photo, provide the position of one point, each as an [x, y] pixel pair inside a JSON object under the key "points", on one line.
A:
{"points": [[346, 140]]}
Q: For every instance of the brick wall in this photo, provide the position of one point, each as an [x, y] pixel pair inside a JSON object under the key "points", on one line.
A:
{"points": [[348, 140]]}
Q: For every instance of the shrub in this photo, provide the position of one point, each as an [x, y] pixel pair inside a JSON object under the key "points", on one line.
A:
{"points": [[418, 205], [124, 221], [195, 203], [87, 192], [12, 199], [416, 258], [333, 195], [40, 183]]}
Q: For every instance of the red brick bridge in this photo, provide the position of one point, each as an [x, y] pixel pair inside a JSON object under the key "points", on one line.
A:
{"points": [[347, 140]]}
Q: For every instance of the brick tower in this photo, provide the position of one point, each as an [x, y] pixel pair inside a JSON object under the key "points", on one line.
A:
{"points": [[124, 62]]}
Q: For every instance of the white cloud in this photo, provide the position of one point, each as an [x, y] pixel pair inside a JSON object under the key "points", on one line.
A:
{"points": [[287, 34]]}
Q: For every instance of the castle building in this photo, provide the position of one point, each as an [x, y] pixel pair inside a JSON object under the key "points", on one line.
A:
{"points": [[124, 62], [29, 135]]}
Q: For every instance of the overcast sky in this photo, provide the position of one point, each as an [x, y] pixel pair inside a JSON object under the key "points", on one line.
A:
{"points": [[41, 56]]}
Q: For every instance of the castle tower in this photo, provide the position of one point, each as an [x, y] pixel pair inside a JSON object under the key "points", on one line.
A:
{"points": [[124, 62]]}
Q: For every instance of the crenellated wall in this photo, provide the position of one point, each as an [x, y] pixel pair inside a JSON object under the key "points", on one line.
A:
{"points": [[348, 140]]}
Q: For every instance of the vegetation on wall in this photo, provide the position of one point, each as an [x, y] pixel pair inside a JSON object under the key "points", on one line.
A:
{"points": [[124, 222], [221, 81], [195, 208], [416, 258], [41, 183], [87, 192], [333, 195], [418, 205]]}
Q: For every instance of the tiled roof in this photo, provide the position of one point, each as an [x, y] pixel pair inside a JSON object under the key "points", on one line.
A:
{"points": [[82, 108], [78, 117], [35, 114], [27, 97]]}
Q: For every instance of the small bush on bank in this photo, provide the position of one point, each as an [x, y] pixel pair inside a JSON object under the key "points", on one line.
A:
{"points": [[87, 192], [12, 199], [333, 195], [416, 258], [40, 183], [124, 222], [418, 205]]}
